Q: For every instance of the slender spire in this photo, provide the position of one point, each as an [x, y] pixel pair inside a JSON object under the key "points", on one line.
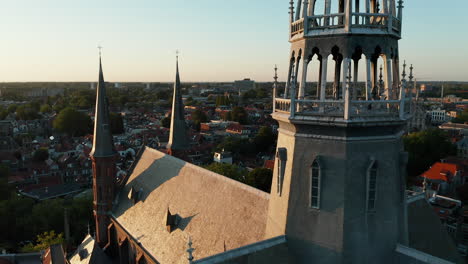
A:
{"points": [[103, 144], [178, 136]]}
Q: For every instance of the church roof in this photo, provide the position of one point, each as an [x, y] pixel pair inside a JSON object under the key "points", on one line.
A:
{"points": [[88, 252], [426, 234], [217, 213]]}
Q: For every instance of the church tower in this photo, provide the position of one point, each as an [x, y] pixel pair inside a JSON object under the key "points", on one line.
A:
{"points": [[178, 140], [338, 191], [103, 156]]}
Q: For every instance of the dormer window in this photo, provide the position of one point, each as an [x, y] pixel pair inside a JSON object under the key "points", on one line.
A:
{"points": [[281, 158]]}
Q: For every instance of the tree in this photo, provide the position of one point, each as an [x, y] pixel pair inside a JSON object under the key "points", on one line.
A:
{"points": [[166, 122], [231, 171], [260, 178], [199, 116], [425, 148], [45, 108], [72, 122], [44, 241], [239, 114], [116, 123], [12, 108], [461, 117], [264, 139], [41, 154], [27, 112]]}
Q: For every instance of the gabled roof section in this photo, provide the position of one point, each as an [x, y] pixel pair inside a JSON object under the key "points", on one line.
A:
{"points": [[441, 171], [217, 213], [89, 252], [426, 233], [103, 144]]}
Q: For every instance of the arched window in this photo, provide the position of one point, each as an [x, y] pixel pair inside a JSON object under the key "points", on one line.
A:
{"points": [[315, 181], [281, 163], [371, 186]]}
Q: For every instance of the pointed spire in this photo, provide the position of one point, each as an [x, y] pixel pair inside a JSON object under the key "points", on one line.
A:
{"points": [[103, 144], [178, 139], [404, 71], [411, 73]]}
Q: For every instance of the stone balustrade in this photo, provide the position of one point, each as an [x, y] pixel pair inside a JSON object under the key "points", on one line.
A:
{"points": [[358, 23], [358, 109]]}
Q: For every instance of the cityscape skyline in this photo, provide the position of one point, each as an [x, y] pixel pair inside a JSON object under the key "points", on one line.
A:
{"points": [[57, 41]]}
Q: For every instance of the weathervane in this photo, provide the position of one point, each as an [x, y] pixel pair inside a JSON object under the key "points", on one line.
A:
{"points": [[100, 50]]}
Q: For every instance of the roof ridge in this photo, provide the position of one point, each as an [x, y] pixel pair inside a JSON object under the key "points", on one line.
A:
{"points": [[228, 180]]}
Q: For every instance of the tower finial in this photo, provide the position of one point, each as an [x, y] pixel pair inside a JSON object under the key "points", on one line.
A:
{"points": [[404, 70], [276, 74], [411, 73], [100, 50]]}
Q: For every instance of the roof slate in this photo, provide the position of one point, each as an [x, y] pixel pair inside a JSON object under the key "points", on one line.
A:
{"points": [[214, 211]]}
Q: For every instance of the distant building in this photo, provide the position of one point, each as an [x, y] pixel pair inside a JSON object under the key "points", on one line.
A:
{"points": [[243, 85], [438, 116], [223, 157]]}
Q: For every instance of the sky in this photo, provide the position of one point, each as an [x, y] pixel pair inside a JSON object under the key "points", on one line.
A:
{"points": [[56, 40]]}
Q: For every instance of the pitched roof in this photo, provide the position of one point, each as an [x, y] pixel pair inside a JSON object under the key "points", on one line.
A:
{"points": [[215, 211], [427, 234], [103, 145], [88, 252], [441, 171]]}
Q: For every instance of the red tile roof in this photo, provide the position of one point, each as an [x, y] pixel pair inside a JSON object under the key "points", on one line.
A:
{"points": [[441, 171], [269, 164]]}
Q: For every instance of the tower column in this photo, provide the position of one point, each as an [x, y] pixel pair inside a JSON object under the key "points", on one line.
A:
{"points": [[311, 9], [346, 65], [327, 12], [288, 81], [305, 65], [355, 81], [368, 79], [388, 74], [336, 83], [298, 9], [323, 78], [396, 77]]}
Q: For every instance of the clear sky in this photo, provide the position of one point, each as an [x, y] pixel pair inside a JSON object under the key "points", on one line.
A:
{"points": [[219, 40]]}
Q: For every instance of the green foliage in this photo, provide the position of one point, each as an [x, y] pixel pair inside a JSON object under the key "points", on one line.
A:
{"points": [[72, 122], [198, 117], [45, 108], [426, 148], [12, 108], [166, 122], [238, 114], [265, 139], [222, 100], [116, 123], [461, 117], [260, 178], [231, 171], [27, 112], [4, 190], [44, 241], [24, 219], [237, 146], [41, 154]]}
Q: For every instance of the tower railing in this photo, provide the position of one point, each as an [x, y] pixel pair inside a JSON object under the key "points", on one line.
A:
{"points": [[358, 109], [315, 25]]}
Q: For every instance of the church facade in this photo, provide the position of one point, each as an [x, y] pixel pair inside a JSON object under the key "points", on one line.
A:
{"points": [[338, 192]]}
